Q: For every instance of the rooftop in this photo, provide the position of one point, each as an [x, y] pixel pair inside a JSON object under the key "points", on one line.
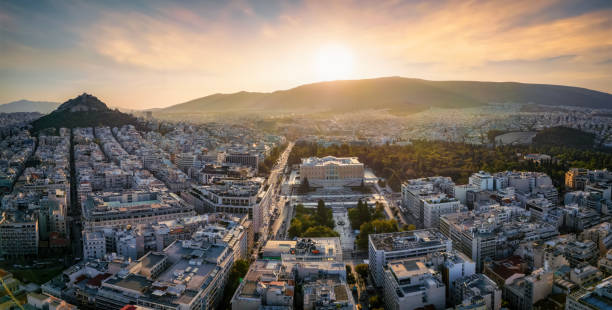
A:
{"points": [[408, 240], [330, 160], [151, 259], [407, 268], [132, 282]]}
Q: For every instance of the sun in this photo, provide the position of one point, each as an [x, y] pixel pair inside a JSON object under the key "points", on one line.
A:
{"points": [[334, 62]]}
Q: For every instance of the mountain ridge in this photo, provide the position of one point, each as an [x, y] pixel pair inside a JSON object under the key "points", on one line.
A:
{"points": [[24, 105], [394, 93]]}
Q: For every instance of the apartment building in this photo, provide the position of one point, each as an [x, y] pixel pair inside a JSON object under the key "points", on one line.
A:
{"points": [[392, 246], [410, 284], [433, 189], [578, 253], [132, 208], [524, 291], [19, 237], [234, 196], [483, 236], [243, 159], [186, 275], [591, 298], [476, 291]]}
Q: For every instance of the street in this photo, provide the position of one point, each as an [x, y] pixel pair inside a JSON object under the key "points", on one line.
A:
{"points": [[272, 203]]}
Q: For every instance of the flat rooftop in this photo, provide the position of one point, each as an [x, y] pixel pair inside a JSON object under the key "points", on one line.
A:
{"points": [[152, 259], [404, 240], [132, 282], [303, 247], [330, 160], [408, 268]]}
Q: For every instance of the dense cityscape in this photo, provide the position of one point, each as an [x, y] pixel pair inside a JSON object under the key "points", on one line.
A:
{"points": [[306, 154], [178, 215]]}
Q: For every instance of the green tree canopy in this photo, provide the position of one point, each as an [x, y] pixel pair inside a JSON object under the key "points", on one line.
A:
{"points": [[374, 227], [320, 232]]}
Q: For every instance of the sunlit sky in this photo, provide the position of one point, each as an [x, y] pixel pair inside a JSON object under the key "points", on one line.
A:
{"points": [[144, 54]]}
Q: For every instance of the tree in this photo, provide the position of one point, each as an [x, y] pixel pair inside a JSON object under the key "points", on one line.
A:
{"points": [[323, 215], [374, 227], [296, 228], [350, 278], [312, 223], [237, 272], [362, 270], [374, 302], [408, 227], [359, 214], [304, 187], [320, 232], [397, 163]]}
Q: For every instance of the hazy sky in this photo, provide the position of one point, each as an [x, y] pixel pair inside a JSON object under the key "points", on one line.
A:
{"points": [[141, 54]]}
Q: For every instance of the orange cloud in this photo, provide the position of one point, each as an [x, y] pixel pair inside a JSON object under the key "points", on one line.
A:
{"points": [[194, 53]]}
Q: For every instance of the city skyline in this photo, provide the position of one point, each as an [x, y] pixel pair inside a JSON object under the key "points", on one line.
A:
{"points": [[142, 55]]}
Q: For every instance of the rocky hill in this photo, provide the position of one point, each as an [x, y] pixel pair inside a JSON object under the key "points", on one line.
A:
{"points": [[83, 111]]}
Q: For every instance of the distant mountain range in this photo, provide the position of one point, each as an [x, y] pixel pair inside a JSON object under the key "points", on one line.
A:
{"points": [[83, 111], [28, 106], [392, 93]]}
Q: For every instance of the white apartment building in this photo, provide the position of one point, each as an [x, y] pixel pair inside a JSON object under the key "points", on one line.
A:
{"points": [[416, 191], [233, 196], [476, 291], [392, 246], [436, 206], [453, 266], [132, 208], [94, 245], [483, 180], [409, 284], [524, 291]]}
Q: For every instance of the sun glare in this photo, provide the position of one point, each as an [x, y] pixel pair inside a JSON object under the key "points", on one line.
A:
{"points": [[334, 62]]}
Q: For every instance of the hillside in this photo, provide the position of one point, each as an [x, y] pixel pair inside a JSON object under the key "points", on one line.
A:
{"points": [[83, 111], [28, 106], [393, 93]]}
